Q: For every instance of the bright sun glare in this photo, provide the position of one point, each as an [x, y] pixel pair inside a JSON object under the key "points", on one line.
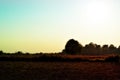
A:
{"points": [[98, 16], [97, 13]]}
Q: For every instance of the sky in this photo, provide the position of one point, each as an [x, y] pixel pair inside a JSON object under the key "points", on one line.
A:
{"points": [[46, 25]]}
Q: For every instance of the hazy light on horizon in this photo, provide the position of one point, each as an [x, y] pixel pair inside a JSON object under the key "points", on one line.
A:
{"points": [[46, 25]]}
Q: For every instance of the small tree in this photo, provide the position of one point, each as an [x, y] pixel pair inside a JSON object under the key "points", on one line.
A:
{"points": [[18, 53], [1, 52]]}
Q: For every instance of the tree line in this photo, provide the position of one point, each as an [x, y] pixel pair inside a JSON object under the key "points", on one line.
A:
{"points": [[74, 47]]}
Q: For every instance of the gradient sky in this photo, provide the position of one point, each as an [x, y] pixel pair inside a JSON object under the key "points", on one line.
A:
{"points": [[46, 25]]}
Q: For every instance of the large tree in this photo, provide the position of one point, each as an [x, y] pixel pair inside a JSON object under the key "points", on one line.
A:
{"points": [[72, 47]]}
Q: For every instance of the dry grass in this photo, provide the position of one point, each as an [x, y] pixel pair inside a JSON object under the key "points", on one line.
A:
{"points": [[59, 71]]}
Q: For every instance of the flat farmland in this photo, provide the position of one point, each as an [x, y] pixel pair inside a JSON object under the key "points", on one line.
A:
{"points": [[59, 70]]}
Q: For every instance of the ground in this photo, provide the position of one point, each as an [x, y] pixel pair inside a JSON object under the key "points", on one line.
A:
{"points": [[59, 71]]}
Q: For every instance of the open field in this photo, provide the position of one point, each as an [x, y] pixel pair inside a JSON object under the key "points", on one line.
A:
{"points": [[59, 70]]}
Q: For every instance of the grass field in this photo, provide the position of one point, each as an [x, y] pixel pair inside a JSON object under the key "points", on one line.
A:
{"points": [[59, 71]]}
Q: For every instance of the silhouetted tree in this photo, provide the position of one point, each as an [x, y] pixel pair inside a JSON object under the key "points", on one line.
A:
{"points": [[85, 49], [1, 52], [92, 45], [99, 49], [72, 47], [19, 53], [90, 48], [105, 49], [27, 53], [112, 49], [105, 46]]}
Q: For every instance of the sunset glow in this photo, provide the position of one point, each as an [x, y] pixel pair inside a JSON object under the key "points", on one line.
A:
{"points": [[46, 25]]}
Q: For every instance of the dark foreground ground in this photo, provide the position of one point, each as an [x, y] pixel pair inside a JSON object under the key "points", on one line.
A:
{"points": [[59, 71]]}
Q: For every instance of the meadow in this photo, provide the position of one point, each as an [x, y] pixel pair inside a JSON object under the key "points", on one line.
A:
{"points": [[19, 70]]}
